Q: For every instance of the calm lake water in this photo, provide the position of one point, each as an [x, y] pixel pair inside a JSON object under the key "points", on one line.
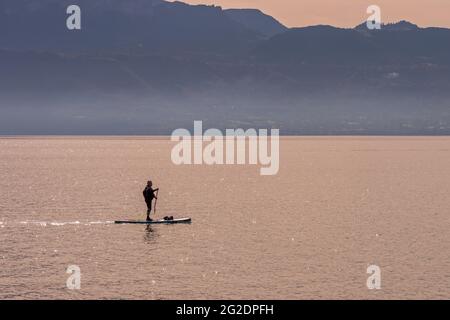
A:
{"points": [[337, 206]]}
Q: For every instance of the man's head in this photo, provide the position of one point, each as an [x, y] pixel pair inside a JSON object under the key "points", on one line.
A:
{"points": [[149, 183]]}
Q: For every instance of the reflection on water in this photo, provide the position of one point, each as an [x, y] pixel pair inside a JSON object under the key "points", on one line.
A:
{"points": [[150, 234]]}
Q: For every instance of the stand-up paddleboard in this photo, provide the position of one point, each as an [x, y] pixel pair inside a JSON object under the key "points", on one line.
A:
{"points": [[161, 221]]}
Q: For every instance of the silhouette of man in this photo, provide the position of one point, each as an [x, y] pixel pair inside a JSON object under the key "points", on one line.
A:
{"points": [[149, 195]]}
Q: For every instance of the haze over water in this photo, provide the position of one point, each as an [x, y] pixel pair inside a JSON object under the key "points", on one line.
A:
{"points": [[337, 205]]}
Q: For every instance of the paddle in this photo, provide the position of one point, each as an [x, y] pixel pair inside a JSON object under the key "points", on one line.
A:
{"points": [[156, 200]]}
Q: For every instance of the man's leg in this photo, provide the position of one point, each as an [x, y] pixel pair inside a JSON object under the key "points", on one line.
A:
{"points": [[149, 209]]}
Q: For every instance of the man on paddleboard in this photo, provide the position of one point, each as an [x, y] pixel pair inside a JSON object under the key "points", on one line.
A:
{"points": [[149, 195]]}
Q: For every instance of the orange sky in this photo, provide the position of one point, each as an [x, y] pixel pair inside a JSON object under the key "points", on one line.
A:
{"points": [[344, 13]]}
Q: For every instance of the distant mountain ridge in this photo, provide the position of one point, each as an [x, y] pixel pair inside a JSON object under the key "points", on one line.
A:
{"points": [[399, 43], [147, 67], [131, 25], [149, 26], [395, 26], [257, 20]]}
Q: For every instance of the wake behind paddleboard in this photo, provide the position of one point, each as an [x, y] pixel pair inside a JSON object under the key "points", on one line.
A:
{"points": [[161, 221]]}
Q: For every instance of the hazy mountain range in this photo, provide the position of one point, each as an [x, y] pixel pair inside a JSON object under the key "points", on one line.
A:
{"points": [[149, 67]]}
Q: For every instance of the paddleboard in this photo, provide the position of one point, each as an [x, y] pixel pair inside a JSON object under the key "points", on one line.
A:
{"points": [[161, 221]]}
